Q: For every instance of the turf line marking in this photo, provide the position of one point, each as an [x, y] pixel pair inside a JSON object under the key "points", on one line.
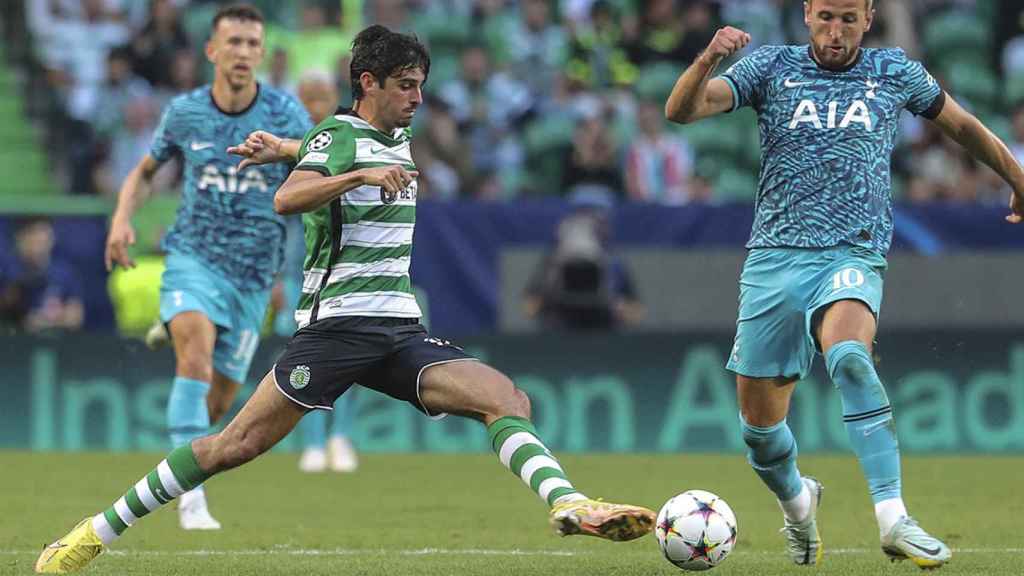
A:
{"points": [[329, 552], [454, 552], [348, 552]]}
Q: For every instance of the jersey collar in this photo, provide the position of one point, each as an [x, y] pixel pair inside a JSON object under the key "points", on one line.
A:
{"points": [[847, 68], [240, 112], [396, 136]]}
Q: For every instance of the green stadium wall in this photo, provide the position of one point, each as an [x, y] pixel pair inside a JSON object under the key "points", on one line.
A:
{"points": [[656, 392]]}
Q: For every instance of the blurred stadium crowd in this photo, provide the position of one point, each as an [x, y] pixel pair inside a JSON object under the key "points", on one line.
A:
{"points": [[525, 99], [528, 98]]}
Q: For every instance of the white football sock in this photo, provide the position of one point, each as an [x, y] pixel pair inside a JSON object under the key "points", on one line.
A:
{"points": [[888, 512], [797, 508]]}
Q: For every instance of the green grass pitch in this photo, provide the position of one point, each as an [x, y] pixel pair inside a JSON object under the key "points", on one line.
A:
{"points": [[432, 514]]}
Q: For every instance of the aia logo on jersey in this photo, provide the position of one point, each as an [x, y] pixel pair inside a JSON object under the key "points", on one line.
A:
{"points": [[231, 181], [807, 113]]}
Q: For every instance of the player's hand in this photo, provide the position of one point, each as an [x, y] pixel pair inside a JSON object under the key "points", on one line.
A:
{"points": [[391, 179], [1016, 215], [121, 236], [727, 41], [260, 147]]}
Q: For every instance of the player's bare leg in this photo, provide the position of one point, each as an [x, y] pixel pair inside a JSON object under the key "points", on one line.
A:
{"points": [[264, 420], [222, 395], [476, 390]]}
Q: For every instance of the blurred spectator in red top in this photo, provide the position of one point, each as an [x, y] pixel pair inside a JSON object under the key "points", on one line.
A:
{"points": [[659, 164]]}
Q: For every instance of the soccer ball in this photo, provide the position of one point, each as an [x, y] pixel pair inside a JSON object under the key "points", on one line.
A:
{"points": [[696, 530]]}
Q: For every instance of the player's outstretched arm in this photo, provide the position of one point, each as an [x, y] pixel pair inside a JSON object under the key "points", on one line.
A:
{"points": [[696, 95], [133, 193], [969, 132], [306, 190], [262, 147]]}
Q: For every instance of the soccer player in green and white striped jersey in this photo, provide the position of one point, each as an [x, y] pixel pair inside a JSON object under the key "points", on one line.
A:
{"points": [[355, 184]]}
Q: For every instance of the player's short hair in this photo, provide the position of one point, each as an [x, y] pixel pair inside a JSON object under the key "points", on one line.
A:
{"points": [[384, 53], [868, 4], [243, 12]]}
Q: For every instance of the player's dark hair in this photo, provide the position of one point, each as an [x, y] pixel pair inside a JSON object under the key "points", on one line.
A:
{"points": [[243, 12], [384, 53]]}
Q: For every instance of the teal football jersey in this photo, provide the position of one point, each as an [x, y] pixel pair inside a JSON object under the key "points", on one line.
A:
{"points": [[826, 142], [226, 217]]}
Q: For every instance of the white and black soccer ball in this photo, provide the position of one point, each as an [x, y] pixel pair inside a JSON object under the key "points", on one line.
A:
{"points": [[696, 530]]}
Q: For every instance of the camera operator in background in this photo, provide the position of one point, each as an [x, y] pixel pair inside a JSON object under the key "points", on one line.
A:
{"points": [[581, 285]]}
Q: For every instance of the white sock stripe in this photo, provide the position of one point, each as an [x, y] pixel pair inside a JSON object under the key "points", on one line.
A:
{"points": [[146, 496], [536, 463], [549, 485], [124, 512], [168, 480], [103, 529], [513, 443], [571, 497]]}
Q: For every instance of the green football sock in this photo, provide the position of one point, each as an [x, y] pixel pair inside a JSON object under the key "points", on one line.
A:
{"points": [[520, 450]]}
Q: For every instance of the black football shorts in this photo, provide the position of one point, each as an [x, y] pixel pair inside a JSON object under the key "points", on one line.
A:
{"points": [[389, 355]]}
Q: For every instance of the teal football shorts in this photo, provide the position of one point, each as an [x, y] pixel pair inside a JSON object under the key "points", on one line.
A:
{"points": [[782, 289]]}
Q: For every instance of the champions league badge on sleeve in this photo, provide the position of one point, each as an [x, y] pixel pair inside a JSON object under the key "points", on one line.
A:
{"points": [[319, 142]]}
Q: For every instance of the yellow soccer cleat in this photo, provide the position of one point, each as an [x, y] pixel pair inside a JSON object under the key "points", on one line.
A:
{"points": [[72, 552], [616, 522]]}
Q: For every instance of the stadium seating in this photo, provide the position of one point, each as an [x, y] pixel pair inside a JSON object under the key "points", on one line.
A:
{"points": [[956, 31], [976, 83], [1013, 89], [20, 154]]}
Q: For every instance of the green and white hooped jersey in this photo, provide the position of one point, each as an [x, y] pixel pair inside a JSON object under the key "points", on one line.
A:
{"points": [[358, 247]]}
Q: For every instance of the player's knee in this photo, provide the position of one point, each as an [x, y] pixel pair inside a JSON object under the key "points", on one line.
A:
{"points": [[195, 367], [851, 366], [505, 399], [524, 408], [854, 369], [754, 417]]}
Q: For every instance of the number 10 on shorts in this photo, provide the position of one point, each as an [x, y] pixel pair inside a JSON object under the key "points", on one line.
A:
{"points": [[847, 278]]}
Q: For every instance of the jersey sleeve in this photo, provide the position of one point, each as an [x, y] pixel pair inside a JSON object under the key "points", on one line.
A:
{"points": [[746, 78], [328, 149], [924, 95], [168, 135]]}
